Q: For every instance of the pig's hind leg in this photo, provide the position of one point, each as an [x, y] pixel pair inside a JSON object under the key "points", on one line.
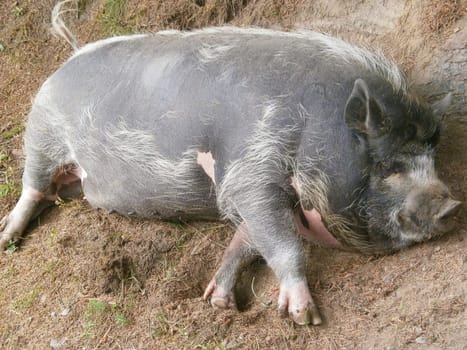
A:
{"points": [[16, 221], [43, 181]]}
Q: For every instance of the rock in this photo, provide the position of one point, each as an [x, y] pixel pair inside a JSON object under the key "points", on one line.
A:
{"points": [[421, 340], [57, 343], [65, 311]]}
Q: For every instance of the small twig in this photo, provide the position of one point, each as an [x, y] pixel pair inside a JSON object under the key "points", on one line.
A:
{"points": [[103, 338]]}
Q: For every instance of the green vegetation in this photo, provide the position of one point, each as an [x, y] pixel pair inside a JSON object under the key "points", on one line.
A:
{"points": [[11, 247], [16, 130], [52, 237], [96, 307], [169, 270], [98, 312], [17, 11], [10, 186], [94, 313], [162, 326], [3, 157], [121, 319], [113, 20], [28, 300]]}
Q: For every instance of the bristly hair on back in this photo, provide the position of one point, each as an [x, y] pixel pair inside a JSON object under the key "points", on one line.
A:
{"points": [[332, 46]]}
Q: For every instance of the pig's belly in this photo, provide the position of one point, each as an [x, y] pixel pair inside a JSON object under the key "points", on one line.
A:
{"points": [[181, 191]]}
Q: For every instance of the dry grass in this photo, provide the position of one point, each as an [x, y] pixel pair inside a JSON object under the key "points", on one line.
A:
{"points": [[440, 15]]}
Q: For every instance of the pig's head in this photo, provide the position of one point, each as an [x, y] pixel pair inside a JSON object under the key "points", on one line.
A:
{"points": [[405, 202]]}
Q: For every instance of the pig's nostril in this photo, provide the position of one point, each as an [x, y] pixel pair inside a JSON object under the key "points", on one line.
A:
{"points": [[449, 209]]}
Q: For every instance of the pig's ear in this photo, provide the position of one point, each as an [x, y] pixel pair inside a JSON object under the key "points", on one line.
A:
{"points": [[440, 107], [363, 114]]}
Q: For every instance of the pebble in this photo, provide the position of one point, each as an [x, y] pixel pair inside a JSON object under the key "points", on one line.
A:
{"points": [[57, 343], [65, 311], [421, 340]]}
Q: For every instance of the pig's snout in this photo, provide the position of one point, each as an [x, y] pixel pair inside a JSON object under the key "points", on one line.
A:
{"points": [[428, 212], [448, 210]]}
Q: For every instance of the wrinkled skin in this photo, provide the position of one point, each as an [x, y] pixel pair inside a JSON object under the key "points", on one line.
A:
{"points": [[287, 136]]}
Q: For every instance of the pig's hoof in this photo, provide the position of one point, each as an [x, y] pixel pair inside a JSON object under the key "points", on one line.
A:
{"points": [[218, 297], [7, 233], [3, 222], [295, 300], [4, 236]]}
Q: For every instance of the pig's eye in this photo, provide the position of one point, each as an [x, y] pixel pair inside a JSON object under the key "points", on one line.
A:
{"points": [[388, 168], [410, 131], [433, 139]]}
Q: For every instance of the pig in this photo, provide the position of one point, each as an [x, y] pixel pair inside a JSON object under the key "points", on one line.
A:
{"points": [[287, 135]]}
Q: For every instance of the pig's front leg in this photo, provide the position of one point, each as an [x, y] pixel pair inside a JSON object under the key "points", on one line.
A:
{"points": [[239, 253], [268, 215]]}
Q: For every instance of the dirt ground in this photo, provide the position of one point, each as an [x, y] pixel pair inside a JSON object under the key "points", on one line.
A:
{"points": [[87, 279]]}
